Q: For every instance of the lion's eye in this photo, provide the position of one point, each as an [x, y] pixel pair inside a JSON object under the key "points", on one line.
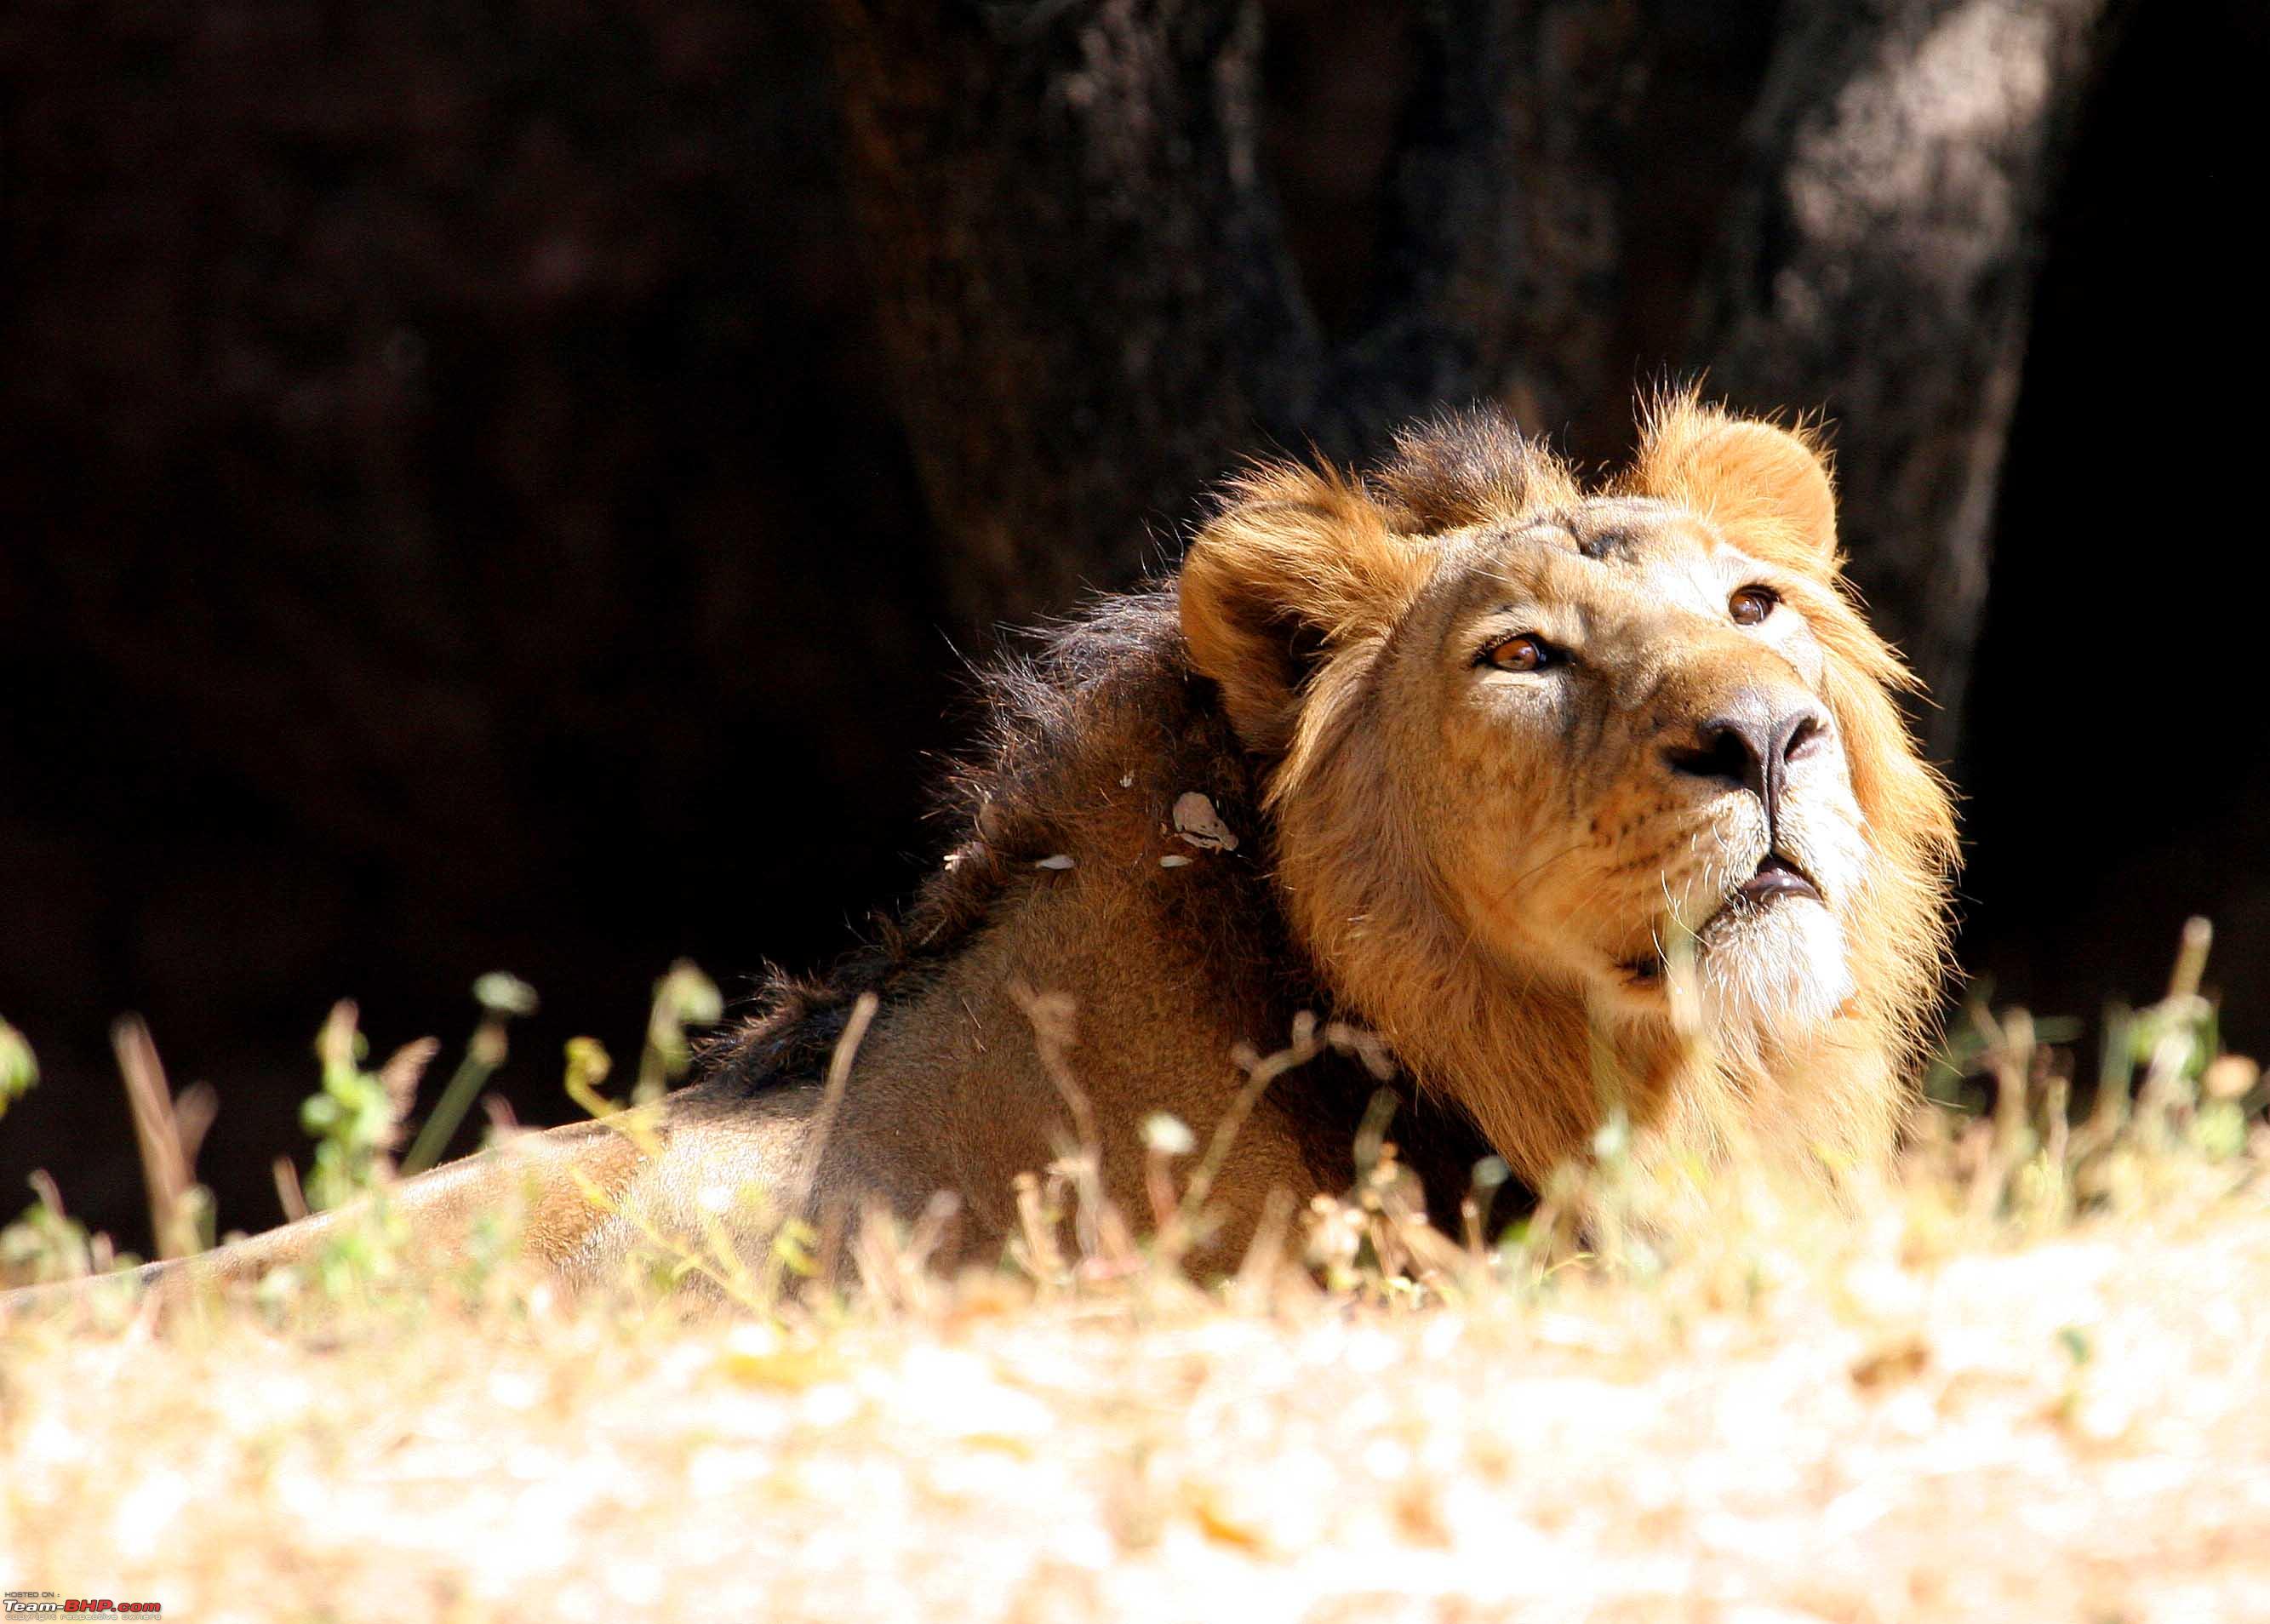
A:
{"points": [[1751, 604], [1521, 654]]}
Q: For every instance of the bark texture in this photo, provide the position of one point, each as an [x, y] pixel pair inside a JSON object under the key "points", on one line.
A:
{"points": [[1879, 267], [1082, 270], [1078, 266]]}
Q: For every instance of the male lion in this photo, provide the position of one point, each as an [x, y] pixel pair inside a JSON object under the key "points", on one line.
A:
{"points": [[1453, 751]]}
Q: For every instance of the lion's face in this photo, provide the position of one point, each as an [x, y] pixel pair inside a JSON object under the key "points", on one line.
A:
{"points": [[1613, 725], [1527, 749]]}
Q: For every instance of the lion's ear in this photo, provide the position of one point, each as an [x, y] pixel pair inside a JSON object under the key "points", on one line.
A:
{"points": [[1767, 488], [1297, 563]]}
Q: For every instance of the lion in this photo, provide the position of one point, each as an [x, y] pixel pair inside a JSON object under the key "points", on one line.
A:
{"points": [[1578, 801]]}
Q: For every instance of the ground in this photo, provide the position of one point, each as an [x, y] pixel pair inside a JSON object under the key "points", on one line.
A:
{"points": [[1880, 1430], [2022, 1382]]}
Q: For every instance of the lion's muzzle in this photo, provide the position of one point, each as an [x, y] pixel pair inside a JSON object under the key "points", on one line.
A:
{"points": [[1751, 742]]}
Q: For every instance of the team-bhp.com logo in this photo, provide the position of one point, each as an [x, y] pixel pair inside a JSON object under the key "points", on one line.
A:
{"points": [[44, 1604]]}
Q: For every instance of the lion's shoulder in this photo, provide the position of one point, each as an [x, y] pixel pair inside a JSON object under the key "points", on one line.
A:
{"points": [[1086, 737]]}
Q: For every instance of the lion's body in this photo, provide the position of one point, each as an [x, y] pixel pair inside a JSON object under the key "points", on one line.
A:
{"points": [[1072, 898], [1483, 860]]}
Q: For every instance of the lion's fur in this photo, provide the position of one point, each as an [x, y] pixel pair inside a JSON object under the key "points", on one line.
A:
{"points": [[1280, 677]]}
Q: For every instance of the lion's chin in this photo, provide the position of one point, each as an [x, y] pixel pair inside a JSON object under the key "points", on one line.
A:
{"points": [[1773, 974], [1764, 975]]}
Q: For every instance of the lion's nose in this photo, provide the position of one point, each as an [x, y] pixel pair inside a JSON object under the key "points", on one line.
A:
{"points": [[1750, 744]]}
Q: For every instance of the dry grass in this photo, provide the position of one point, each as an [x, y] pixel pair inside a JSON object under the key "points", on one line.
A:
{"points": [[2024, 1382]]}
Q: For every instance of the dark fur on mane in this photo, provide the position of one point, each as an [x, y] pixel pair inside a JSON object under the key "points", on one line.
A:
{"points": [[1464, 468], [1117, 672], [1119, 669]]}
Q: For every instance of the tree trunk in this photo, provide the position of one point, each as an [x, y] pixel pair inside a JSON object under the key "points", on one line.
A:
{"points": [[1084, 283], [1077, 269], [1879, 267], [1087, 292]]}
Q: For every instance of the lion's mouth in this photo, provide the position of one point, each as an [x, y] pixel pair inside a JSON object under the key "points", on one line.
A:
{"points": [[1777, 880]]}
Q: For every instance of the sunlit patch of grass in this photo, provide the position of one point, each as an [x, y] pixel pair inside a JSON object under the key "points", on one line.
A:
{"points": [[2020, 1379]]}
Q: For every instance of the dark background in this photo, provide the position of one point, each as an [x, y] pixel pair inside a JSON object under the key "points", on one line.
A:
{"points": [[456, 513]]}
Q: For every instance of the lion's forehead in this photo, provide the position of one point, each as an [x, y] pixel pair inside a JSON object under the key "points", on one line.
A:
{"points": [[1627, 533], [1623, 529], [1603, 552]]}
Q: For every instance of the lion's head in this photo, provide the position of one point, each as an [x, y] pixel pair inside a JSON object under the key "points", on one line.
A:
{"points": [[1530, 750]]}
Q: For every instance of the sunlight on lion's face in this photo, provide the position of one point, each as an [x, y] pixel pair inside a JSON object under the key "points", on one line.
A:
{"points": [[1616, 721]]}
